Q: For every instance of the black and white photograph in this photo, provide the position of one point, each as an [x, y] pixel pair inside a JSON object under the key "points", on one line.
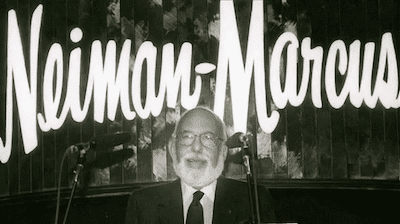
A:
{"points": [[199, 111]]}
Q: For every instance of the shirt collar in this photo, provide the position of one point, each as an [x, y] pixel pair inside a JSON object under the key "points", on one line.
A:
{"points": [[209, 190]]}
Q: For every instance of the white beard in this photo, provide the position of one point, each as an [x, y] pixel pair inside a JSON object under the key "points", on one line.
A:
{"points": [[198, 178]]}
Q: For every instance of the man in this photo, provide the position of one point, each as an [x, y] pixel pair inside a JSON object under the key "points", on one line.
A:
{"points": [[200, 194]]}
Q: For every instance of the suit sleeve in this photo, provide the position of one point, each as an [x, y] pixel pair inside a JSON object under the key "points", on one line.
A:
{"points": [[132, 212]]}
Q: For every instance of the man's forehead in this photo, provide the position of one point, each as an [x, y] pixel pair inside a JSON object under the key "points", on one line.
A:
{"points": [[199, 117]]}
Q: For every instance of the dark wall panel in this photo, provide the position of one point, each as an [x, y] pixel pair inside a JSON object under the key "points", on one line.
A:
{"points": [[310, 142]]}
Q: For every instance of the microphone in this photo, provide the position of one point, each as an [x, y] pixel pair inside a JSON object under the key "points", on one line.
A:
{"points": [[236, 140], [99, 158], [103, 142], [96, 159]]}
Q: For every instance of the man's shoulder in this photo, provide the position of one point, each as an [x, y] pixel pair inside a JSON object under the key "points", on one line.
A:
{"points": [[240, 186], [232, 182], [156, 190]]}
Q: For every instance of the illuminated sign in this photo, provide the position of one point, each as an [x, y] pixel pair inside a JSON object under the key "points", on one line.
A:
{"points": [[108, 82]]}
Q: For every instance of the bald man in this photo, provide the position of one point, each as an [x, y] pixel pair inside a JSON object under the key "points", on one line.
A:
{"points": [[200, 195]]}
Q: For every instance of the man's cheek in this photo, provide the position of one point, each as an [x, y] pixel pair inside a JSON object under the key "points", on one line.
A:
{"points": [[180, 152], [213, 155]]}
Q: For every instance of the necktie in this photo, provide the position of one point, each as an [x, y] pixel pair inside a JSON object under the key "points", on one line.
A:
{"points": [[195, 212]]}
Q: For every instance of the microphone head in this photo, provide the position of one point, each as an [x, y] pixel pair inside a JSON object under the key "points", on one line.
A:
{"points": [[236, 140]]}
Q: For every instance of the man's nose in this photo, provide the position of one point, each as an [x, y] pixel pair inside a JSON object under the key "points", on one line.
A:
{"points": [[197, 146]]}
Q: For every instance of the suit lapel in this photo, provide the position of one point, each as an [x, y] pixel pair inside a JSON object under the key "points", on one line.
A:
{"points": [[170, 206], [225, 205]]}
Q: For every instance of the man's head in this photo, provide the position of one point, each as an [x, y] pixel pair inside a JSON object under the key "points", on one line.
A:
{"points": [[197, 147]]}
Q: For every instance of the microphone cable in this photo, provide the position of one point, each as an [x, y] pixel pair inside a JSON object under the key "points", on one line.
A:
{"points": [[59, 186]]}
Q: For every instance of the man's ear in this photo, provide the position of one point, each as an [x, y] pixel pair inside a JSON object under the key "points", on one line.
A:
{"points": [[224, 149]]}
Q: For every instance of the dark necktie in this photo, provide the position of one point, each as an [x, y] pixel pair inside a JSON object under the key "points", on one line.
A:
{"points": [[195, 212]]}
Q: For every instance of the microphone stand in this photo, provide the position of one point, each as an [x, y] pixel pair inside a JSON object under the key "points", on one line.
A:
{"points": [[254, 204], [77, 172]]}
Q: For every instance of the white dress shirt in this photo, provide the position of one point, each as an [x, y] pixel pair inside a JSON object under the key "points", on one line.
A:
{"points": [[207, 201]]}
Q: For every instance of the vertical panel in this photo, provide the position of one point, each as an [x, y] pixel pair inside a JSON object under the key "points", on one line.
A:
{"points": [[100, 176], [86, 21], [352, 141], [144, 153], [62, 135], [365, 114], [308, 125], [324, 143], [294, 147], [129, 165], [107, 29], [319, 23], [377, 142], [156, 36], [352, 23], [352, 26], [185, 17], [185, 34], [202, 44], [278, 137], [337, 115], [72, 21], [279, 148], [378, 113], [86, 24], [365, 142], [309, 141], [37, 154], [242, 12], [264, 146], [4, 180], [212, 28], [114, 34], [338, 146], [99, 21], [141, 33], [393, 134], [14, 161], [74, 128], [170, 21], [391, 141], [243, 15], [232, 170], [172, 116], [129, 126], [293, 114], [24, 160], [390, 153], [49, 154], [159, 147]]}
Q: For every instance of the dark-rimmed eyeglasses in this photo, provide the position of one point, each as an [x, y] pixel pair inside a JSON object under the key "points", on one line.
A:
{"points": [[207, 139]]}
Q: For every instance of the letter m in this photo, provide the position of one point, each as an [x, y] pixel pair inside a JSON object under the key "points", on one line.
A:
{"points": [[230, 56]]}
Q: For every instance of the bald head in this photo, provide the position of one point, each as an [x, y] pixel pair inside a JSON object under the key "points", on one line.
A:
{"points": [[201, 118]]}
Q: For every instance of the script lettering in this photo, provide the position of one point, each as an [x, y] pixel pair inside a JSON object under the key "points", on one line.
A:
{"points": [[230, 56]]}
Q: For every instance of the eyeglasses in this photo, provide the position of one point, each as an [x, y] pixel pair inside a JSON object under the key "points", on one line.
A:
{"points": [[207, 139]]}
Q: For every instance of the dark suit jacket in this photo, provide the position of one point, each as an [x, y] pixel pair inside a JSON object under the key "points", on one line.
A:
{"points": [[163, 204]]}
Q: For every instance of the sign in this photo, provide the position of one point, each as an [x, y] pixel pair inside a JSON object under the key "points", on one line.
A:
{"points": [[306, 93]]}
